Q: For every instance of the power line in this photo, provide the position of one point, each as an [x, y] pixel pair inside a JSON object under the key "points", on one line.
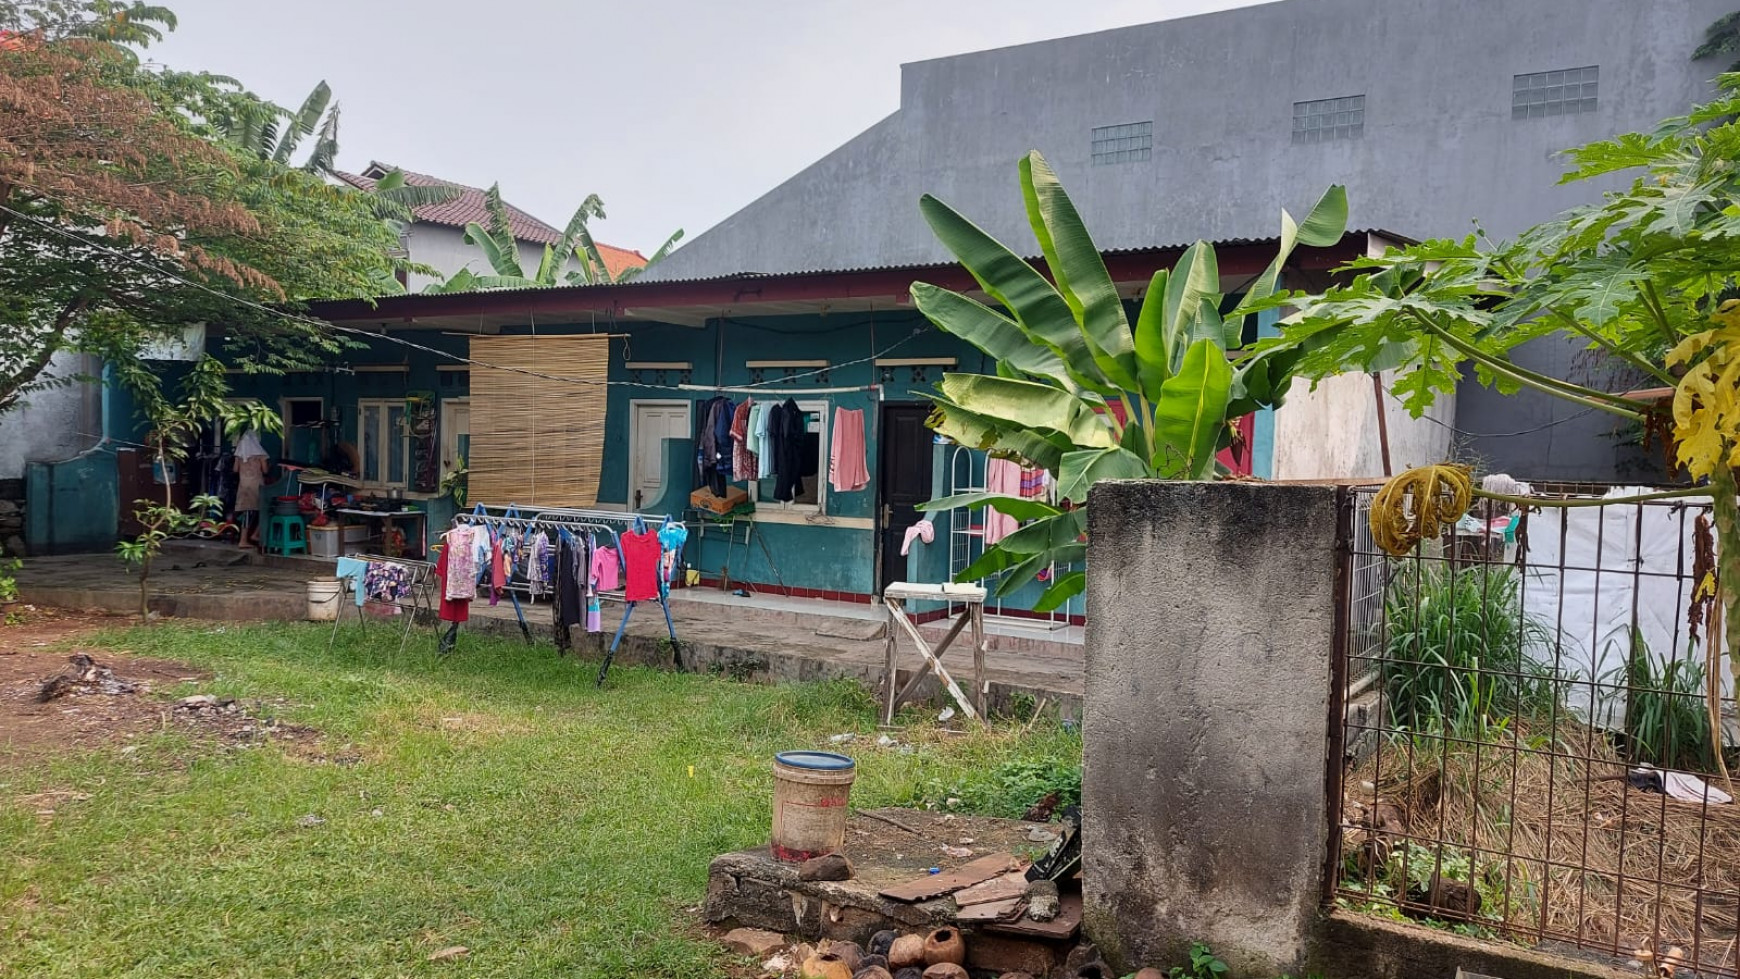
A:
{"points": [[322, 324]]}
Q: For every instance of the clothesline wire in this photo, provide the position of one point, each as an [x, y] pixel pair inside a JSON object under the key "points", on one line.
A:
{"points": [[400, 341]]}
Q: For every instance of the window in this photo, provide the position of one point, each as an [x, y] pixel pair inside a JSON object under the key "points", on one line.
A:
{"points": [[1128, 143], [811, 494], [455, 434], [1329, 119], [303, 441], [384, 443], [1555, 93]]}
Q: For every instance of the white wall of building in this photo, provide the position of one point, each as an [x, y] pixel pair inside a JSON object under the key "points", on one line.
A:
{"points": [[1332, 432]]}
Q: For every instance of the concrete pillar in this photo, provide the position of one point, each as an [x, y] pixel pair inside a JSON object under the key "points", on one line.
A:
{"points": [[1210, 610]]}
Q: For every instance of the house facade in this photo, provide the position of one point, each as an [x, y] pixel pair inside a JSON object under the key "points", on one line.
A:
{"points": [[1431, 112]]}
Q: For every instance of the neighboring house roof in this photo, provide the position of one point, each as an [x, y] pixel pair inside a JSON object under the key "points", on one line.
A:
{"points": [[468, 207]]}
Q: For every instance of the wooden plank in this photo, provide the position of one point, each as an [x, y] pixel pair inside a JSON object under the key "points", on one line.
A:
{"points": [[936, 885], [1061, 928], [991, 911], [992, 891]]}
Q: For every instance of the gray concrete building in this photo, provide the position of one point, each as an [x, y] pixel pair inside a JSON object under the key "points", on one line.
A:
{"points": [[1434, 113]]}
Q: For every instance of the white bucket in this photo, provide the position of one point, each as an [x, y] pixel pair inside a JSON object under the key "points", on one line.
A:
{"points": [[323, 597]]}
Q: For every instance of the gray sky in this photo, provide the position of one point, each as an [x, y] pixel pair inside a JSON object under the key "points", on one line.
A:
{"points": [[677, 112]]}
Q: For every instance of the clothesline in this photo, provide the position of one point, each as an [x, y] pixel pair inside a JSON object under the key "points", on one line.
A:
{"points": [[777, 392]]}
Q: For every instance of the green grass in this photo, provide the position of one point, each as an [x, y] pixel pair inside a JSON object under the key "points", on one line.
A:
{"points": [[553, 829]]}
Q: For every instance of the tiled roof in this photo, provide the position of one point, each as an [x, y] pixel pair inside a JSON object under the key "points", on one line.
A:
{"points": [[469, 207]]}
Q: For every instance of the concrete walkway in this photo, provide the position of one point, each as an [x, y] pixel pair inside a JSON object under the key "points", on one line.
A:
{"points": [[756, 638]]}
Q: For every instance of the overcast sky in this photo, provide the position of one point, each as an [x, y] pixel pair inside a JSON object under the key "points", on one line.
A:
{"points": [[676, 112]]}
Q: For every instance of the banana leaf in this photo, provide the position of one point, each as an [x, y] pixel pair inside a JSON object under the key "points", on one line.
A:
{"points": [[1068, 585], [1019, 288], [996, 335], [1191, 412], [1019, 507], [1153, 346], [1029, 405], [1323, 227], [1082, 469], [1079, 271]]}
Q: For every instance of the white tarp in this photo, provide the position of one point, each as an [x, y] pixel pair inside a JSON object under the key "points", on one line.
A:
{"points": [[1621, 564]]}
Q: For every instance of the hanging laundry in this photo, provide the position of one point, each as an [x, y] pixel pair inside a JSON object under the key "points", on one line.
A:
{"points": [[1035, 483], [461, 555], [743, 460], [355, 569], [1002, 477], [594, 606], [385, 581], [924, 530], [713, 444], [761, 432], [640, 552], [497, 570], [607, 568], [570, 608], [453, 609], [787, 430], [672, 536], [537, 553], [847, 472]]}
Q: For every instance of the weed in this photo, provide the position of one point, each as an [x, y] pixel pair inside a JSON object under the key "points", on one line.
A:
{"points": [[1456, 658], [1203, 964], [1011, 788], [1667, 722]]}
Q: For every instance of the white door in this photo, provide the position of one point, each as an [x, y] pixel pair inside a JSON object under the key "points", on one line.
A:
{"points": [[649, 426]]}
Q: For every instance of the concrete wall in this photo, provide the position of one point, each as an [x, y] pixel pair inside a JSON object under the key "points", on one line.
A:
{"points": [[1205, 727], [1440, 149], [1332, 432], [51, 423], [444, 248]]}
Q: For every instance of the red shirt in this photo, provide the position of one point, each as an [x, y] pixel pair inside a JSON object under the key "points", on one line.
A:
{"points": [[641, 553]]}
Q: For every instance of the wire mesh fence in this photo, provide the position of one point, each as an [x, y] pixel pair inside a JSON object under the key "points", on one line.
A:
{"points": [[1535, 724]]}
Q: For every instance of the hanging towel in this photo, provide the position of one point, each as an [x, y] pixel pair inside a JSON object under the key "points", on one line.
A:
{"points": [[641, 553], [462, 565], [1004, 477], [924, 530], [537, 572], [761, 432], [356, 569], [497, 571], [847, 472], [1034, 483]]}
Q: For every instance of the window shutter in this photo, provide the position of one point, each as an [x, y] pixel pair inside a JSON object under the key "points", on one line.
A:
{"points": [[537, 441]]}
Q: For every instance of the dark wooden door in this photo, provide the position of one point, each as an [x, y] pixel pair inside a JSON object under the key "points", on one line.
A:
{"points": [[903, 481]]}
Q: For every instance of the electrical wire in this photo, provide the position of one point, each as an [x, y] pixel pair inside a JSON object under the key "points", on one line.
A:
{"points": [[1509, 435], [408, 344]]}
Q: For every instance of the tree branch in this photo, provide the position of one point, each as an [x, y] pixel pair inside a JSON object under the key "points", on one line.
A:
{"points": [[16, 381]]}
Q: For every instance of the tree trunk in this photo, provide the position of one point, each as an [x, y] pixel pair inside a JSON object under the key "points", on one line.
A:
{"points": [[28, 371]]}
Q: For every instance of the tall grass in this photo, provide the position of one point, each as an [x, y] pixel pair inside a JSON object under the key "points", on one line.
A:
{"points": [[1667, 722], [1455, 657]]}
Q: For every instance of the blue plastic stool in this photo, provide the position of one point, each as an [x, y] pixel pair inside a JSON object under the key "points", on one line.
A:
{"points": [[286, 534]]}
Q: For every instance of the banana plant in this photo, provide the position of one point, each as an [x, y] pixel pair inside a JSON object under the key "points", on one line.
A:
{"points": [[1079, 391], [501, 249]]}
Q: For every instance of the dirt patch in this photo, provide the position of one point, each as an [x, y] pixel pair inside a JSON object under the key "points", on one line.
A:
{"points": [[62, 701]]}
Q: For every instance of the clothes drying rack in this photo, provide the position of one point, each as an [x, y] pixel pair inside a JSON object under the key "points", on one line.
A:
{"points": [[421, 598], [598, 523]]}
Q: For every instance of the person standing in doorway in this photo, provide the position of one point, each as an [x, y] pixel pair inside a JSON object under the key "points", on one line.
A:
{"points": [[251, 466]]}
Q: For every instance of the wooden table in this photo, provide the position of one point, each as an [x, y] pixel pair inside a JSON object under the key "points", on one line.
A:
{"points": [[387, 517], [895, 597]]}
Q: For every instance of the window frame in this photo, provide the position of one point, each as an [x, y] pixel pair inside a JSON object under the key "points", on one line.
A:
{"points": [[821, 408], [403, 447]]}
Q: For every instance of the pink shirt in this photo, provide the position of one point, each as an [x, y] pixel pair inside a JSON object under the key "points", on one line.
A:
{"points": [[605, 569]]}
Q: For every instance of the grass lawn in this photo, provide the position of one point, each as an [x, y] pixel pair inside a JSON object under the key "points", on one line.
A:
{"points": [[497, 801]]}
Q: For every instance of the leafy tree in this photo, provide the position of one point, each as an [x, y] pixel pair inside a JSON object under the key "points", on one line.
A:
{"points": [[122, 220], [500, 248], [1721, 40], [1078, 391], [175, 426], [271, 132], [1647, 278]]}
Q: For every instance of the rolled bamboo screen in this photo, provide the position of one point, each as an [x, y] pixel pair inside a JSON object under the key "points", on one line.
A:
{"points": [[536, 441]]}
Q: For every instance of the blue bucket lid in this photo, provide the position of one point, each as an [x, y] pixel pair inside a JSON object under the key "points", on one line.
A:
{"points": [[821, 761]]}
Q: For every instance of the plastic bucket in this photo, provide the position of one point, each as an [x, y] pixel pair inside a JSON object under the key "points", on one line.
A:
{"points": [[810, 792], [323, 596]]}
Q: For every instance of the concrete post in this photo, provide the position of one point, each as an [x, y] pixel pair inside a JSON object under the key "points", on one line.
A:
{"points": [[1211, 610]]}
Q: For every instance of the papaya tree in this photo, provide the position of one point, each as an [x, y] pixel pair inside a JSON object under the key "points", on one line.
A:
{"points": [[1646, 279], [1080, 391]]}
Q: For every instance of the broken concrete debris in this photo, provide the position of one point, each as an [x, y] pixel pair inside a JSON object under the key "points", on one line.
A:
{"points": [[755, 942], [1042, 900], [828, 866], [84, 675]]}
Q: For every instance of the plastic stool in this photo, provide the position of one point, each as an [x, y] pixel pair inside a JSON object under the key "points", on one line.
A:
{"points": [[286, 534]]}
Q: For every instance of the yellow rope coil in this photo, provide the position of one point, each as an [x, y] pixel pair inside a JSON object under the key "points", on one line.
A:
{"points": [[1417, 504]]}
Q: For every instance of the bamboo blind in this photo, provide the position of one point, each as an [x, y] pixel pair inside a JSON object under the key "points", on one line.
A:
{"points": [[535, 441]]}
